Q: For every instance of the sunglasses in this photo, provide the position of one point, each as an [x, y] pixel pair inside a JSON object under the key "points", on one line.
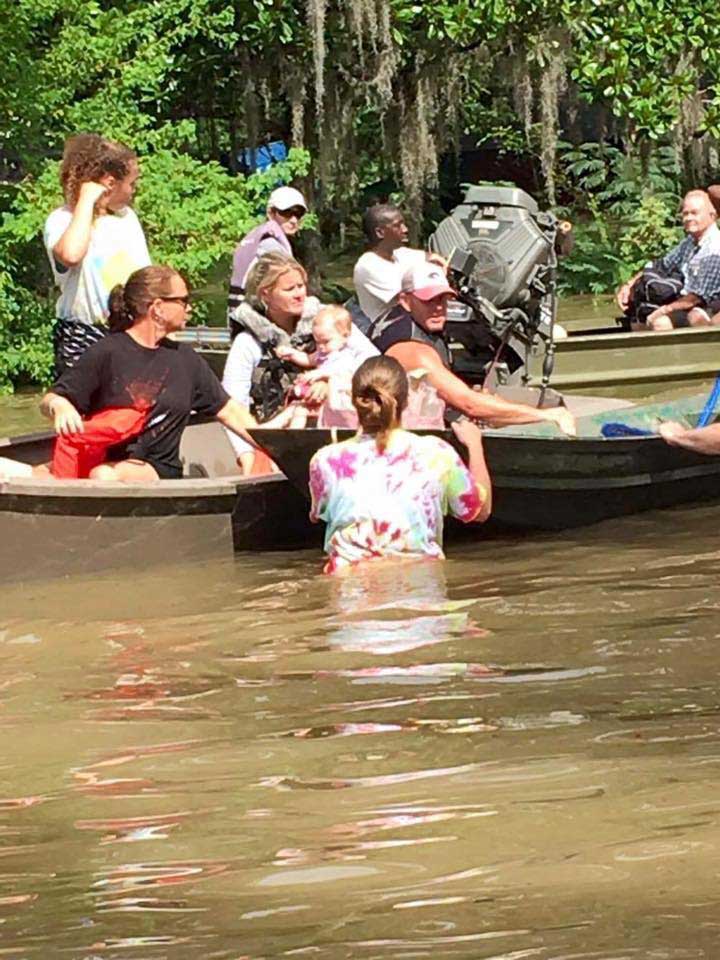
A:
{"points": [[298, 212], [185, 300]]}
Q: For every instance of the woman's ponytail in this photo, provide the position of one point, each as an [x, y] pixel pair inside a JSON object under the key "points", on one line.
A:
{"points": [[379, 394], [131, 300], [119, 318]]}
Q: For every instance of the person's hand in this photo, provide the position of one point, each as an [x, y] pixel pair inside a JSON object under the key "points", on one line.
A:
{"points": [[671, 431], [317, 392], [564, 420], [91, 191], [66, 419], [438, 259], [656, 314], [467, 432], [623, 296], [284, 352]]}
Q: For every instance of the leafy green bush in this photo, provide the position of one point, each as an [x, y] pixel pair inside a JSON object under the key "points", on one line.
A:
{"points": [[618, 182], [624, 217], [608, 251], [25, 336]]}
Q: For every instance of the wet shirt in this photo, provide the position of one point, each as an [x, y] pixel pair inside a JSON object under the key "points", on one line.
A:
{"points": [[117, 248], [391, 503], [168, 382]]}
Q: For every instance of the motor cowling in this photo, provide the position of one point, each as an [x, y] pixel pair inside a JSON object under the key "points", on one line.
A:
{"points": [[512, 241], [512, 246]]}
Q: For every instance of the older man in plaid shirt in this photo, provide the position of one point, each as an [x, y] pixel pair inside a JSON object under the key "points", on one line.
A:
{"points": [[697, 260]]}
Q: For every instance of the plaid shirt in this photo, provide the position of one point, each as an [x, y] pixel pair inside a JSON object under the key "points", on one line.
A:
{"points": [[698, 264]]}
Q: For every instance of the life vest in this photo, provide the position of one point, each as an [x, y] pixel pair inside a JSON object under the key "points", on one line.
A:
{"points": [[273, 377], [398, 326], [74, 456], [246, 253]]}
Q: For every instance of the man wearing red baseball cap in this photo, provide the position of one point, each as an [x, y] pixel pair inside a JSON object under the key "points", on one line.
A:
{"points": [[414, 334]]}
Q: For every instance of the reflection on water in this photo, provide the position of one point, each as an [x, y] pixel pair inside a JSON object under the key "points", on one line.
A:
{"points": [[510, 755]]}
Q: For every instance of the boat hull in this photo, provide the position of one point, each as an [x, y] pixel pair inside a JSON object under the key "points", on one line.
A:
{"points": [[548, 483], [50, 527], [630, 364]]}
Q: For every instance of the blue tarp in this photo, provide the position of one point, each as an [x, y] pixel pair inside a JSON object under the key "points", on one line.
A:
{"points": [[263, 156]]}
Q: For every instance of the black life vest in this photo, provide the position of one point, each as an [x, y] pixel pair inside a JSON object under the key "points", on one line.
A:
{"points": [[272, 377], [398, 326]]}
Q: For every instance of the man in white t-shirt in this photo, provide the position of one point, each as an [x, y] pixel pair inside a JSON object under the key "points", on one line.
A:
{"points": [[378, 273]]}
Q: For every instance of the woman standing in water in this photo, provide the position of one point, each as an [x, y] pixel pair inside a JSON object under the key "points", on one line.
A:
{"points": [[384, 493], [94, 241]]}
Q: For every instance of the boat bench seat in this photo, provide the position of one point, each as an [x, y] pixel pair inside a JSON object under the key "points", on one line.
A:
{"points": [[205, 451]]}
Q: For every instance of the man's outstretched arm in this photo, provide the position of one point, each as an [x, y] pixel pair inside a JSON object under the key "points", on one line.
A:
{"points": [[480, 406]]}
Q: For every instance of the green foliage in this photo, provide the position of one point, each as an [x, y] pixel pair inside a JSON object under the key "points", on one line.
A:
{"points": [[650, 231], [376, 90], [615, 180], [608, 251], [25, 336], [193, 214], [644, 58], [626, 217]]}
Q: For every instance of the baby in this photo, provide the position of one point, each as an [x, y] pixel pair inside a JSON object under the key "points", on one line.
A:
{"points": [[331, 329], [339, 352]]}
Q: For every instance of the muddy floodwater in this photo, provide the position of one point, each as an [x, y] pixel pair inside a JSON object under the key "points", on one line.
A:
{"points": [[512, 755]]}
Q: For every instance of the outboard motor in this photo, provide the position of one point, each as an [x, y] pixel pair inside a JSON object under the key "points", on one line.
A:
{"points": [[501, 250]]}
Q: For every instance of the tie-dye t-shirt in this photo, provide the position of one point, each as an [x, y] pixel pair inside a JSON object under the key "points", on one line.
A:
{"points": [[391, 503], [117, 248]]}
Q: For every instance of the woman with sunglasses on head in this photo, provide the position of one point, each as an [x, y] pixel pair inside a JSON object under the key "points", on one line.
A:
{"points": [[285, 210], [94, 241], [132, 392]]}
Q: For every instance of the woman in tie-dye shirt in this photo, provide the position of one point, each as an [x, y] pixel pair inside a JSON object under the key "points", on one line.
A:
{"points": [[384, 493]]}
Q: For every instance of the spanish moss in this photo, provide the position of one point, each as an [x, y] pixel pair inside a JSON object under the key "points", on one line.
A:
{"points": [[552, 85], [316, 10]]}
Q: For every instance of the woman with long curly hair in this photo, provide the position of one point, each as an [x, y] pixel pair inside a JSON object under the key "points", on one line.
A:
{"points": [[383, 493], [94, 241]]}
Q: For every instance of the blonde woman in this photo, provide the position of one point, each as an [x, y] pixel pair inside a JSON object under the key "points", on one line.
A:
{"points": [[277, 314]]}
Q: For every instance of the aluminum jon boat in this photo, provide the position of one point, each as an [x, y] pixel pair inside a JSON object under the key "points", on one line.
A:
{"points": [[542, 481], [52, 527]]}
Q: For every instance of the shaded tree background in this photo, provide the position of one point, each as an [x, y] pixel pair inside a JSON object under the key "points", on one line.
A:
{"points": [[607, 110]]}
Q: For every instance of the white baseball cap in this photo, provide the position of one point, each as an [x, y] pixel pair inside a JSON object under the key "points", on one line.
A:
{"points": [[425, 281], [285, 198]]}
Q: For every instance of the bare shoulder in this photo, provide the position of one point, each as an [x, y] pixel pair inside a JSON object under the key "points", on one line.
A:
{"points": [[412, 355]]}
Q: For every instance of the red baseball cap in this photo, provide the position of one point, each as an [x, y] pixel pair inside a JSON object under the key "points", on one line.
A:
{"points": [[425, 281]]}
